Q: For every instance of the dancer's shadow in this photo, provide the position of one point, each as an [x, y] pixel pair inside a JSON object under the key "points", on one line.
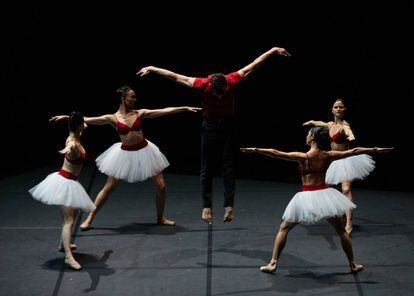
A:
{"points": [[147, 229], [293, 275], [92, 264]]}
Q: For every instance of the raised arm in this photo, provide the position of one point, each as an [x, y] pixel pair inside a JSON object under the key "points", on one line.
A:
{"points": [[250, 68], [316, 123], [356, 151], [185, 80], [147, 113], [99, 120], [292, 156]]}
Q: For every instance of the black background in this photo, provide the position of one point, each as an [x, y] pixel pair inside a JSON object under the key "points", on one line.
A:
{"points": [[64, 56]]}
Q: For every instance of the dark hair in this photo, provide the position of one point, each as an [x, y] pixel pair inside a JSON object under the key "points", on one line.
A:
{"points": [[218, 84], [122, 91], [321, 137], [75, 121], [339, 100]]}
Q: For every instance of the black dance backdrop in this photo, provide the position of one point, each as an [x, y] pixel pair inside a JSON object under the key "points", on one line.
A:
{"points": [[60, 56]]}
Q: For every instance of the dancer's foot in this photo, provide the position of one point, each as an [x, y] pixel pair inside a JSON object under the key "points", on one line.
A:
{"points": [[206, 215], [269, 268], [62, 249], [355, 267], [86, 225], [165, 221], [72, 263], [228, 215]]}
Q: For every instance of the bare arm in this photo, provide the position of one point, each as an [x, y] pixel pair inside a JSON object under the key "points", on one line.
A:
{"points": [[316, 123], [99, 120], [356, 151], [185, 80], [250, 68], [292, 156], [147, 113]]}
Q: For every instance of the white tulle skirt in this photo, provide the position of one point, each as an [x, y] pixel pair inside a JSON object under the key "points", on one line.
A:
{"points": [[58, 190], [308, 207], [351, 168], [132, 166]]}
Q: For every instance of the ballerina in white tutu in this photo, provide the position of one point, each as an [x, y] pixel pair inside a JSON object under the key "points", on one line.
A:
{"points": [[316, 201], [348, 169], [133, 159], [63, 189]]}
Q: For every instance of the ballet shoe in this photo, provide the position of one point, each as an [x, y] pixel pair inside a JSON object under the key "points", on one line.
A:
{"points": [[62, 249], [85, 226], [270, 268], [72, 263], [228, 215], [206, 215], [355, 267]]}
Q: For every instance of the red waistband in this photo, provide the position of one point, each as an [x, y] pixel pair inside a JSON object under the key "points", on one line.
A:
{"points": [[67, 175], [135, 147], [313, 187]]}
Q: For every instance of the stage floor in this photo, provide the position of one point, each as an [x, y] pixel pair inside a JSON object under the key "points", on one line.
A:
{"points": [[126, 253]]}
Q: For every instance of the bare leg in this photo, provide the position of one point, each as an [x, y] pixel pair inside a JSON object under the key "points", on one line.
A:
{"points": [[100, 200], [280, 242], [159, 182], [72, 246], [68, 221], [346, 243], [346, 190]]}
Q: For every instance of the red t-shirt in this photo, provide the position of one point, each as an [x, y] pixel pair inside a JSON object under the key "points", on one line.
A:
{"points": [[213, 107]]}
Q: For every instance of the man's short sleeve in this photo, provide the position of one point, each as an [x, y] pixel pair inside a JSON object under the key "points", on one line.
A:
{"points": [[233, 79], [200, 83]]}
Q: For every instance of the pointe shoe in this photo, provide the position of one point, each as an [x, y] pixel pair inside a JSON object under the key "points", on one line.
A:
{"points": [[165, 221], [355, 267], [270, 268], [228, 215], [72, 263], [62, 249], [85, 226], [206, 215]]}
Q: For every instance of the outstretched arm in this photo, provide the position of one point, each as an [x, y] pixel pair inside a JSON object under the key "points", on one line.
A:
{"points": [[185, 80], [99, 120], [250, 68], [356, 151], [292, 156], [146, 113], [316, 123]]}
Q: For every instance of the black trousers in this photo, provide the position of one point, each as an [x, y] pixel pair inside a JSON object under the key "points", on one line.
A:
{"points": [[218, 147]]}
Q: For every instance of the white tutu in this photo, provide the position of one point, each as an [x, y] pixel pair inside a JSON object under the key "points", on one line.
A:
{"points": [[311, 206], [132, 166], [58, 190], [351, 168]]}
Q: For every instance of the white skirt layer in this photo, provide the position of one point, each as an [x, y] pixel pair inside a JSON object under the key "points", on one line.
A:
{"points": [[132, 166], [311, 206], [58, 190], [351, 168]]}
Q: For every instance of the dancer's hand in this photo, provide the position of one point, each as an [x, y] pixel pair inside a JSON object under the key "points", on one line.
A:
{"points": [[281, 51], [58, 118], [144, 71], [384, 150], [194, 109], [248, 150], [310, 122]]}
